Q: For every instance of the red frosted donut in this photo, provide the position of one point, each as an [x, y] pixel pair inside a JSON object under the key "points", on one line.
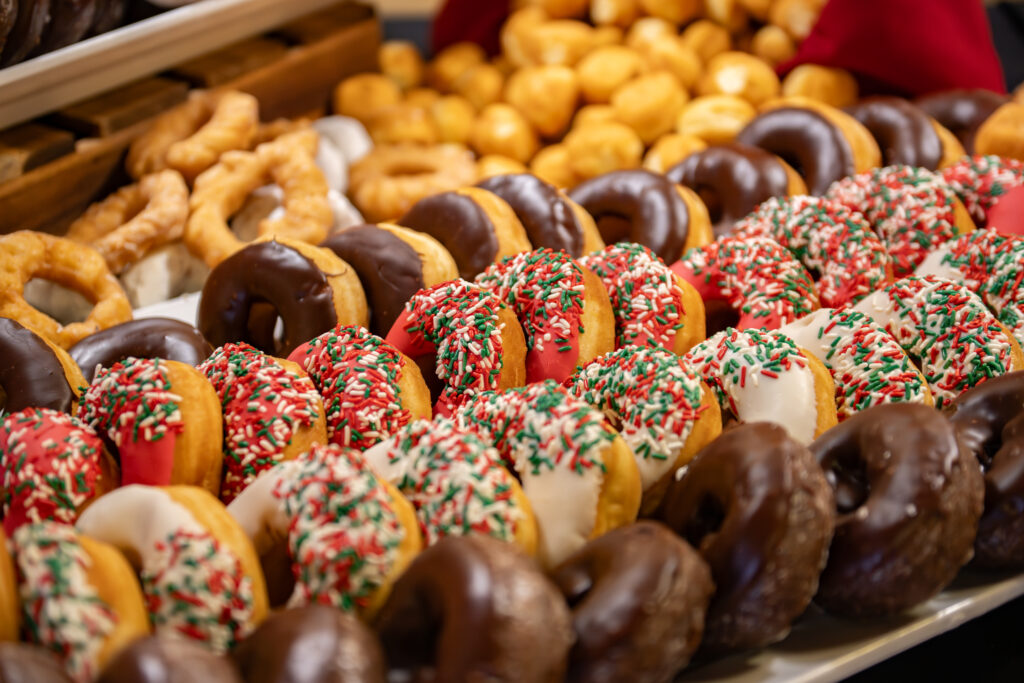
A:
{"points": [[983, 183], [756, 279]]}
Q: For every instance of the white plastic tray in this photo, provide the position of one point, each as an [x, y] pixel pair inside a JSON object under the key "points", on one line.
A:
{"points": [[112, 59]]}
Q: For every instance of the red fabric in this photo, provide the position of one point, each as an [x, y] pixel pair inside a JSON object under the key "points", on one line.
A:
{"points": [[905, 47], [476, 21]]}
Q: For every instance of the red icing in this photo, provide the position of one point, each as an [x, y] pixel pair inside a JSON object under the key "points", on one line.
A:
{"points": [[1007, 215], [148, 462]]}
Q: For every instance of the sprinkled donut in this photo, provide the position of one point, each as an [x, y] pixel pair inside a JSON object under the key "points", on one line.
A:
{"points": [[831, 241], [563, 308], [666, 413], [748, 283], [982, 182], [763, 376], [948, 330], [912, 209], [476, 339], [272, 412], [51, 466], [652, 306], [370, 390]]}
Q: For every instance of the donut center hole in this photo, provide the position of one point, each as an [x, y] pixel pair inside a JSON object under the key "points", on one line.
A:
{"points": [[707, 520], [719, 315], [614, 227], [263, 203], [847, 473], [265, 328], [61, 303]]}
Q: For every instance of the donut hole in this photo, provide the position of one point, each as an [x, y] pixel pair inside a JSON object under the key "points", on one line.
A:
{"points": [[706, 520], [718, 316], [263, 203], [265, 327], [63, 304], [847, 474]]}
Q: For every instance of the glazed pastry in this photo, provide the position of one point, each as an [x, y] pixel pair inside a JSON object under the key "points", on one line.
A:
{"points": [[494, 165], [453, 116], [518, 628], [999, 134], [552, 165], [733, 179], [161, 419], [452, 62], [30, 21], [502, 129], [981, 182], [403, 124], [796, 16], [546, 96], [834, 87], [10, 610], [671, 54], [601, 72], [392, 263], [773, 45], [146, 338], [342, 533], [962, 111], [69, 22], [477, 227], [363, 95], [739, 74], [401, 61], [651, 635], [599, 148], [481, 85], [905, 134], [706, 38], [757, 507], [649, 104], [314, 644], [671, 149], [645, 208], [23, 662], [309, 288], [651, 304], [908, 496], [155, 659], [35, 372]]}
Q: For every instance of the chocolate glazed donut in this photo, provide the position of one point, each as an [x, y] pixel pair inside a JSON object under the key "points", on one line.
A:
{"points": [[904, 133], [69, 22], [31, 21], [639, 595], [388, 267], [147, 338], [548, 220], [962, 111], [732, 180], [160, 660], [266, 273], [990, 421], [461, 225], [805, 140], [638, 206], [909, 496], [757, 507], [8, 15], [31, 375], [314, 644], [24, 663], [472, 608], [109, 15]]}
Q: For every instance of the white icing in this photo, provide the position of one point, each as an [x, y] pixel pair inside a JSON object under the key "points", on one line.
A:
{"points": [[346, 134], [259, 510], [933, 265], [163, 274]]}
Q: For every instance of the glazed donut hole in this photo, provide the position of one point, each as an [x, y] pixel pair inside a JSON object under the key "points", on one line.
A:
{"points": [[670, 149], [606, 35], [513, 34], [676, 12], [715, 119], [836, 87], [621, 13], [564, 9], [796, 17], [563, 41], [757, 9], [670, 53], [495, 164], [452, 62], [421, 97], [551, 165], [403, 123], [401, 61], [601, 148], [645, 30], [453, 116], [727, 13], [739, 74], [501, 129], [594, 113], [707, 39], [481, 84], [362, 96], [605, 69], [546, 96], [773, 45], [650, 104]]}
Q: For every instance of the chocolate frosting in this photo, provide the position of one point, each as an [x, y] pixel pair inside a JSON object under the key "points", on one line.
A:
{"points": [[24, 663], [8, 15], [758, 508], [266, 273], [168, 660], [549, 220], [29, 24], [475, 608], [109, 15], [314, 644], [639, 596], [638, 206], [146, 338], [908, 497], [461, 225], [990, 420], [69, 23], [806, 140], [903, 131], [962, 111], [30, 372], [390, 270], [732, 180]]}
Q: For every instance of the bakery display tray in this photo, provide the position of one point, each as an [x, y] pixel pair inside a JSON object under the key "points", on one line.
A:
{"points": [[112, 59], [820, 648]]}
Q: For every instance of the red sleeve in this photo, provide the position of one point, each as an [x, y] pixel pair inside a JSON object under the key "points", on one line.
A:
{"points": [[476, 21]]}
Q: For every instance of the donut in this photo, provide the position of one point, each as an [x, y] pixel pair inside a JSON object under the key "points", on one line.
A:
{"points": [[8, 16], [156, 658], [309, 288], [519, 628], [908, 497], [836, 87], [639, 597], [578, 474], [503, 129], [477, 227], [550, 218], [645, 208], [343, 533], [52, 466], [30, 21], [598, 147], [161, 419], [822, 143], [310, 645], [651, 304], [456, 482], [962, 111], [671, 54], [999, 134], [546, 95], [733, 179], [272, 412], [758, 508], [867, 365], [750, 369], [69, 22], [739, 74], [474, 339], [200, 574], [392, 263], [10, 604], [981, 182], [563, 309], [705, 37], [650, 103], [748, 283], [109, 15], [603, 70], [62, 573], [552, 165], [24, 662], [165, 338], [664, 412], [773, 45], [987, 420], [363, 95], [715, 119], [370, 390], [835, 244], [670, 149], [35, 372], [948, 330], [401, 61], [905, 133]]}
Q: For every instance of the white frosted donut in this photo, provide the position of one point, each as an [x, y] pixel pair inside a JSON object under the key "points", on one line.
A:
{"points": [[347, 135]]}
